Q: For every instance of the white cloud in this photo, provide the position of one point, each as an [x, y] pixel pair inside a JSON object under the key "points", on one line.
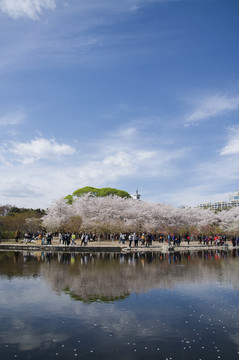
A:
{"points": [[194, 195], [25, 8], [213, 106], [120, 159], [3, 160], [232, 146], [19, 189], [112, 161], [40, 149], [12, 118], [210, 181]]}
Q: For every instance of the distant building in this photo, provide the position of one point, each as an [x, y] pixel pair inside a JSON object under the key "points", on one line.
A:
{"points": [[136, 196], [234, 198], [220, 205]]}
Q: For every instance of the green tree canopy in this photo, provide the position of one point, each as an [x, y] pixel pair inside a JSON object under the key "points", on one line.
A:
{"points": [[97, 192]]}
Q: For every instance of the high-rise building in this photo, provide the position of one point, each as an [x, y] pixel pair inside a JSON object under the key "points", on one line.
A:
{"points": [[233, 200]]}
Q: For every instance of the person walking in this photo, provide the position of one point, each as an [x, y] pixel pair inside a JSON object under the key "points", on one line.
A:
{"points": [[136, 240], [82, 239], [68, 238], [49, 238], [60, 238], [73, 238], [17, 235], [169, 239], [130, 239], [148, 240], [64, 239], [179, 239], [86, 239]]}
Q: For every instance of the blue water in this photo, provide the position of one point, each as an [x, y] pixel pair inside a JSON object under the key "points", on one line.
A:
{"points": [[100, 306]]}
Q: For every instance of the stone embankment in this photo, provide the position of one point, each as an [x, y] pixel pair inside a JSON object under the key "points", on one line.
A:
{"points": [[110, 246]]}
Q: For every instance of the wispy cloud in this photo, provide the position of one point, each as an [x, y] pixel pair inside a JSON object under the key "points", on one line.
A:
{"points": [[232, 146], [26, 8], [128, 132], [12, 118], [212, 106], [82, 40], [34, 8], [112, 6]]}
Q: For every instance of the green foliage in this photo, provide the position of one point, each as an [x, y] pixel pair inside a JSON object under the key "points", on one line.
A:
{"points": [[85, 190], [7, 235], [20, 219], [103, 192], [69, 199], [16, 210]]}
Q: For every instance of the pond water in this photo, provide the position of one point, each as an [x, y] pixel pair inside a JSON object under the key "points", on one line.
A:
{"points": [[114, 306]]}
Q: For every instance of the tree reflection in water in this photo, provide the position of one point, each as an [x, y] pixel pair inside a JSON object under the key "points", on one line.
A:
{"points": [[113, 276]]}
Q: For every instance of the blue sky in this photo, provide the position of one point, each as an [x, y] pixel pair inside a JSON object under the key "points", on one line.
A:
{"points": [[127, 94]]}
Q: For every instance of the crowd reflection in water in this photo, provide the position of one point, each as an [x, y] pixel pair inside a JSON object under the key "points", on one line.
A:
{"points": [[127, 258]]}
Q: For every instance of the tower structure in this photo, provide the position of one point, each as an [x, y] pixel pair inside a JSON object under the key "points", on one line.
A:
{"points": [[137, 195]]}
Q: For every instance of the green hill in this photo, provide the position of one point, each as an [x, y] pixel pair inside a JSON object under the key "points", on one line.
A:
{"points": [[96, 192]]}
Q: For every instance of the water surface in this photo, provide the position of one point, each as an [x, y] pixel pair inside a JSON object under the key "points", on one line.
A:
{"points": [[98, 306]]}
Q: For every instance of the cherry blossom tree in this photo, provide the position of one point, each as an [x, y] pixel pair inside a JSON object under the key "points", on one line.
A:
{"points": [[58, 215], [115, 214]]}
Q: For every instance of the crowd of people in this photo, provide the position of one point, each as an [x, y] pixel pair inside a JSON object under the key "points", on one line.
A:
{"points": [[175, 239], [136, 239], [131, 239]]}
